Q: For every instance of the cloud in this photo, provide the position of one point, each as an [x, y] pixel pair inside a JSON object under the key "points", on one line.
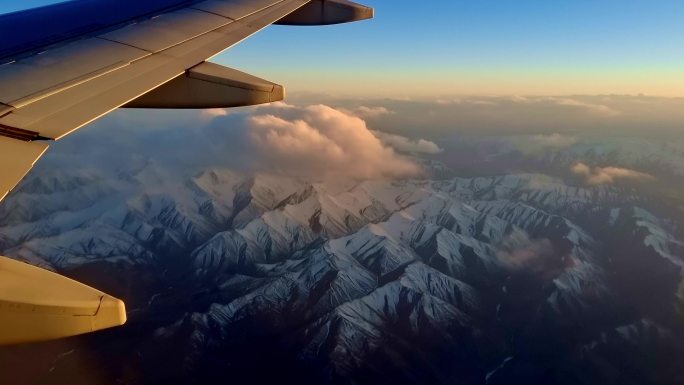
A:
{"points": [[593, 108], [465, 101], [404, 144], [372, 112], [518, 115], [566, 102], [477, 134], [367, 112], [554, 140], [214, 112], [608, 175], [543, 182], [520, 252], [322, 142]]}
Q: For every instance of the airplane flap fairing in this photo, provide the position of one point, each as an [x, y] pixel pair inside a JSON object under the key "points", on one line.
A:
{"points": [[210, 85]]}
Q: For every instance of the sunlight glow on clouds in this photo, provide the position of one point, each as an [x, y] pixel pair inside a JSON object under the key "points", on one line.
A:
{"points": [[371, 112], [608, 175], [595, 108], [554, 140], [402, 143], [214, 112], [323, 142]]}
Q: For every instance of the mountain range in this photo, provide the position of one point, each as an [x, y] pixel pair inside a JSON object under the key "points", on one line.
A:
{"points": [[236, 278]]}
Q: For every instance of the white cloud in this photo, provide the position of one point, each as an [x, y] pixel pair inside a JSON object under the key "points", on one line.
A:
{"points": [[213, 113], [554, 140], [372, 112], [322, 142], [368, 112], [465, 101], [402, 143], [608, 175], [519, 251], [593, 108]]}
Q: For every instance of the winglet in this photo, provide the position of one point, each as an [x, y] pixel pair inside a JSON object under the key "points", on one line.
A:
{"points": [[326, 12]]}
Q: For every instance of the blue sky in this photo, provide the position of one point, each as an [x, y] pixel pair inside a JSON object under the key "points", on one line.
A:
{"points": [[419, 48]]}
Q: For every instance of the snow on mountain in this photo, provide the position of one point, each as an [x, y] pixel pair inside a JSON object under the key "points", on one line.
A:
{"points": [[363, 281]]}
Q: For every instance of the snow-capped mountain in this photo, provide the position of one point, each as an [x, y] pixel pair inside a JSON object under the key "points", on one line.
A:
{"points": [[260, 278]]}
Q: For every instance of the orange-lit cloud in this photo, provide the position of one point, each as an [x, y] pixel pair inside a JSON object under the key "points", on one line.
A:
{"points": [[372, 112], [322, 142], [594, 108], [608, 175], [213, 112], [404, 144]]}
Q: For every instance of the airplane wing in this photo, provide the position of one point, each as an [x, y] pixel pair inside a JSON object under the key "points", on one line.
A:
{"points": [[65, 65]]}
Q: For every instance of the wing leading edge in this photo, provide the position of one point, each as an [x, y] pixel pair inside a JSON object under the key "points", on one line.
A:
{"points": [[90, 57]]}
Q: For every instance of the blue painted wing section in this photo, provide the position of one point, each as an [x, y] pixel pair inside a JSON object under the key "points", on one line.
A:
{"points": [[31, 30]]}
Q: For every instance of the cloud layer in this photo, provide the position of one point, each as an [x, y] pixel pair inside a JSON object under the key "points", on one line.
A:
{"points": [[471, 135], [315, 142], [602, 115]]}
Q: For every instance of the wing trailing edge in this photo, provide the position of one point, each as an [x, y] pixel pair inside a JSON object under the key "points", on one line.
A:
{"points": [[17, 157]]}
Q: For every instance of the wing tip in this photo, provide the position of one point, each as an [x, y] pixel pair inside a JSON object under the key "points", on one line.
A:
{"points": [[111, 313]]}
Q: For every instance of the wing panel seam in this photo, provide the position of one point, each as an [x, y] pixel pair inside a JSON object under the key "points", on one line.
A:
{"points": [[212, 13], [126, 44], [57, 88]]}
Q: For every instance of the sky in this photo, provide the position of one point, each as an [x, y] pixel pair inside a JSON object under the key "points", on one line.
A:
{"points": [[474, 47]]}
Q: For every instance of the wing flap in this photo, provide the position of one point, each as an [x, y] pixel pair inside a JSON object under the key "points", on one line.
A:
{"points": [[16, 159]]}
